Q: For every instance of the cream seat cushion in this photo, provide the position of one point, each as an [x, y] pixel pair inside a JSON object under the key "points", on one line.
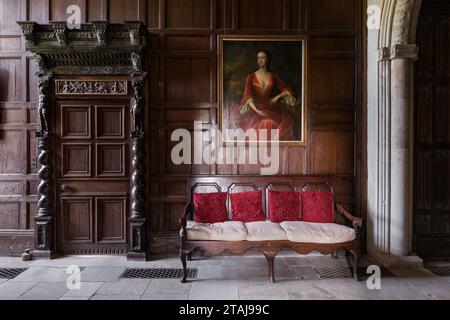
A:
{"points": [[224, 231], [321, 233], [265, 231]]}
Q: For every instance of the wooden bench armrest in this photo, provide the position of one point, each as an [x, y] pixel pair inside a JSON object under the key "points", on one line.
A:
{"points": [[185, 218], [356, 222]]}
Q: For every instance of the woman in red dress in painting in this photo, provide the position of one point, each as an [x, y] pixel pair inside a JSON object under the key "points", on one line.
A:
{"points": [[262, 105]]}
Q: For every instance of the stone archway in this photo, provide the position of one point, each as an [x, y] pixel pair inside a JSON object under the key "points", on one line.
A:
{"points": [[391, 53]]}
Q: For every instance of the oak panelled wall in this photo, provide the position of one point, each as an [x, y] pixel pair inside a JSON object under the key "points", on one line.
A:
{"points": [[182, 87]]}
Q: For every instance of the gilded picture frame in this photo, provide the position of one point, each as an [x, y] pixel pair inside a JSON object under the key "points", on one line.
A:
{"points": [[262, 83]]}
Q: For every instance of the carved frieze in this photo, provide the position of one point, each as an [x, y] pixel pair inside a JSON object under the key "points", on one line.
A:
{"points": [[87, 87]]}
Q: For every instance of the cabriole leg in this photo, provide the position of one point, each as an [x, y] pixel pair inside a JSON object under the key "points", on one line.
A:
{"points": [[183, 257]]}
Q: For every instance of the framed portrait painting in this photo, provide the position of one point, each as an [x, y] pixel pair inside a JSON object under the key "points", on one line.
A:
{"points": [[262, 88]]}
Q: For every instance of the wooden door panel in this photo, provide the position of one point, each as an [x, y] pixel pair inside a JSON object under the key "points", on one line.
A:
{"points": [[76, 160], [76, 122], [432, 133], [110, 122], [94, 184], [111, 219], [111, 160], [77, 220]]}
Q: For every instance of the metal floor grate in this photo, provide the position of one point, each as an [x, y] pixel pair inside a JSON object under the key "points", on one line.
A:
{"points": [[443, 271], [346, 272], [158, 274], [10, 273], [333, 272]]}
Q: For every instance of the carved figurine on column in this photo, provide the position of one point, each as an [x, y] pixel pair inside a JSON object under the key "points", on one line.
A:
{"points": [[43, 106], [138, 101]]}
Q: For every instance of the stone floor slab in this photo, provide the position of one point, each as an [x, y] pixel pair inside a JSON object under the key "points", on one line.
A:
{"points": [[117, 297], [400, 289], [263, 290], [102, 274], [45, 291], [214, 290], [168, 286], [75, 298], [307, 290], [210, 272], [87, 289], [349, 289], [43, 274], [124, 287], [434, 288], [83, 261], [238, 273], [165, 296], [13, 290]]}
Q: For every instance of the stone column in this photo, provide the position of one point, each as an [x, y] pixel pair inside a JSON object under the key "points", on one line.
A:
{"points": [[402, 57]]}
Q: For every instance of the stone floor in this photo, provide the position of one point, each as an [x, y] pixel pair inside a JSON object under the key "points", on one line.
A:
{"points": [[223, 278]]}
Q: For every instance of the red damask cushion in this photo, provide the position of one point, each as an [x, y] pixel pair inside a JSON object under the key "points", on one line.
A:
{"points": [[317, 207], [284, 206], [210, 207], [247, 206]]}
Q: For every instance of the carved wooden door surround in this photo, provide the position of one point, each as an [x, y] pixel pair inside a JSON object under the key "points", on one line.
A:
{"points": [[91, 138]]}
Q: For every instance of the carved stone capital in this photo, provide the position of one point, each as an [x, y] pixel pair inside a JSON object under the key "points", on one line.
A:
{"points": [[384, 54], [402, 21], [404, 51]]}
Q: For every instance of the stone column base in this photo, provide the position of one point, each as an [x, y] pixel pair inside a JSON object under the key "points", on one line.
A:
{"points": [[390, 261]]}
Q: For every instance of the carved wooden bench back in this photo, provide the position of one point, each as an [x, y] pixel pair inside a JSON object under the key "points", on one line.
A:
{"points": [[234, 184]]}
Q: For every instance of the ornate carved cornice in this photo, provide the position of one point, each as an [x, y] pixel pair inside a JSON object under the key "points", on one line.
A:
{"points": [[95, 48], [60, 31], [100, 29]]}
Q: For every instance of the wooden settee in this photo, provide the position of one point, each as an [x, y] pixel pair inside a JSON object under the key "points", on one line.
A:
{"points": [[270, 248]]}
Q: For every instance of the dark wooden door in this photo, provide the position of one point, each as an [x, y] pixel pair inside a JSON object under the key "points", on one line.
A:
{"points": [[432, 133], [93, 176]]}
